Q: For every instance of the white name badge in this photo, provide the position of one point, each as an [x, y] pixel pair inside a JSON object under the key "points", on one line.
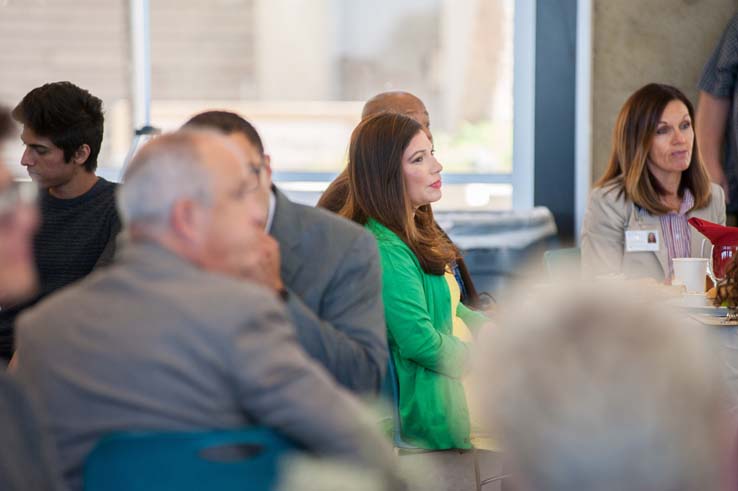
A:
{"points": [[642, 240]]}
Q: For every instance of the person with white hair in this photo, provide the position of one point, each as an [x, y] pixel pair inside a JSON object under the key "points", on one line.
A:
{"points": [[593, 390], [27, 462], [18, 222], [173, 337]]}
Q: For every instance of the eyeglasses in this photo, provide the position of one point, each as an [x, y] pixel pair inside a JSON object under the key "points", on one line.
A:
{"points": [[255, 171], [250, 183], [14, 196]]}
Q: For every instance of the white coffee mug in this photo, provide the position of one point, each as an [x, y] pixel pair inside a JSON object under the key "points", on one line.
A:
{"points": [[691, 272]]}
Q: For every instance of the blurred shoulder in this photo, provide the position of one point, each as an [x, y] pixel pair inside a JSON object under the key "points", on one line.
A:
{"points": [[329, 220], [393, 251], [717, 195], [610, 197], [327, 231], [611, 192], [385, 237]]}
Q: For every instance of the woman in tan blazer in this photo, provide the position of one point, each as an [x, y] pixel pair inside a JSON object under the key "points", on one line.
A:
{"points": [[654, 183]]}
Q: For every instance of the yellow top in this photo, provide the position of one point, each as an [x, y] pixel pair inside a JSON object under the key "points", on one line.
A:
{"points": [[479, 438], [460, 329]]}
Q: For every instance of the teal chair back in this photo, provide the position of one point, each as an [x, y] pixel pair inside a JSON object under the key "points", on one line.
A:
{"points": [[562, 261], [221, 460], [391, 392], [395, 394]]}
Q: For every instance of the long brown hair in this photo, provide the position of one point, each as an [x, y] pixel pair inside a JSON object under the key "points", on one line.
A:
{"points": [[376, 189], [334, 196], [631, 143]]}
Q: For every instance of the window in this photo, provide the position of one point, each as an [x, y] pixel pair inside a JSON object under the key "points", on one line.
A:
{"points": [[300, 70]]}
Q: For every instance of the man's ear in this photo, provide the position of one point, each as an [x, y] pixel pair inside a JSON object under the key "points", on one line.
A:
{"points": [[185, 220], [268, 165], [80, 156]]}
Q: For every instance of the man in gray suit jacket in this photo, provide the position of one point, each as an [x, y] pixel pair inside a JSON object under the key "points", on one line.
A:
{"points": [[329, 266], [171, 337]]}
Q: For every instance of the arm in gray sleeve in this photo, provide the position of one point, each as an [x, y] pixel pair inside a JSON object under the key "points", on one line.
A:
{"points": [[281, 388], [108, 254], [349, 338], [719, 74]]}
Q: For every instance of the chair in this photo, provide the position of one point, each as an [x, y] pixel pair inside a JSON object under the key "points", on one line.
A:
{"points": [[394, 392], [562, 261], [224, 460]]}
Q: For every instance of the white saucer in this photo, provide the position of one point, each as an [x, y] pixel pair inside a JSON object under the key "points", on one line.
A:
{"points": [[712, 320], [697, 303]]}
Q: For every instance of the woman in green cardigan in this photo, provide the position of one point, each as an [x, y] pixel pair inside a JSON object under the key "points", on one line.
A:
{"points": [[393, 178]]}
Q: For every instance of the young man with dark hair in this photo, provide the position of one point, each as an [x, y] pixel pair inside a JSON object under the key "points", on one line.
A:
{"points": [[62, 132]]}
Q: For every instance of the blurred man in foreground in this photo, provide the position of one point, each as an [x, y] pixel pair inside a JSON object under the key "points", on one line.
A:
{"points": [[171, 337], [18, 221], [593, 390], [26, 461]]}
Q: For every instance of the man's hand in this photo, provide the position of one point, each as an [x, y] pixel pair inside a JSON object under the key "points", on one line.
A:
{"points": [[263, 262]]}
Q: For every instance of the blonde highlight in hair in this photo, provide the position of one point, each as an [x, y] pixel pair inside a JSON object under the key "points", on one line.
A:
{"points": [[632, 139]]}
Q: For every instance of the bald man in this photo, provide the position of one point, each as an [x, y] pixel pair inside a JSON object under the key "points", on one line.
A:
{"points": [[386, 102], [399, 102], [335, 194]]}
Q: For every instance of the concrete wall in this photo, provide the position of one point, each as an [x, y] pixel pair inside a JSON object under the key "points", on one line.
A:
{"points": [[295, 49], [636, 42], [202, 50]]}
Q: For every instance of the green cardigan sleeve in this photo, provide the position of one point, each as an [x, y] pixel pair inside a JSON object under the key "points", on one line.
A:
{"points": [[409, 323], [473, 320]]}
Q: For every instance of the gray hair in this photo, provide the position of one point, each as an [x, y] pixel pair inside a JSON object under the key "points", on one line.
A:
{"points": [[166, 170], [595, 390]]}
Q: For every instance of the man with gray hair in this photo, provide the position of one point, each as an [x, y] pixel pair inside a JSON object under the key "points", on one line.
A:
{"points": [[171, 337], [591, 389]]}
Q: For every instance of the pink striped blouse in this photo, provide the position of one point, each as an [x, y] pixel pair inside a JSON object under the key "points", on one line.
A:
{"points": [[676, 232]]}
